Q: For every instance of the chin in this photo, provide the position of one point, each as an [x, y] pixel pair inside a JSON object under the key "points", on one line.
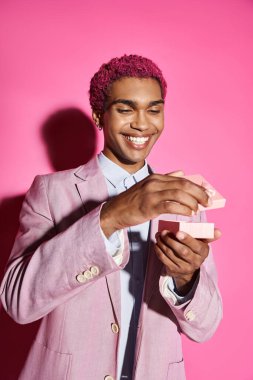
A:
{"points": [[136, 160]]}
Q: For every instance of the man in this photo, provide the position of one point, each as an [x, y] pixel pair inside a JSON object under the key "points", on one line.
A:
{"points": [[113, 295]]}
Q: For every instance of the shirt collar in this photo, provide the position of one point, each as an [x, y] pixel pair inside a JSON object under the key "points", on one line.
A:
{"points": [[115, 174]]}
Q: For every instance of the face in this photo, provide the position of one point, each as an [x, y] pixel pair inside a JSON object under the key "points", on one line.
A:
{"points": [[133, 121]]}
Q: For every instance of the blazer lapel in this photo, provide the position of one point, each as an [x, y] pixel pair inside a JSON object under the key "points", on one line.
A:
{"points": [[113, 285], [92, 189], [154, 265], [91, 185]]}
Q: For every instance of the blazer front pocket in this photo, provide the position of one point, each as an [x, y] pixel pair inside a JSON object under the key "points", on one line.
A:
{"points": [[46, 364]]}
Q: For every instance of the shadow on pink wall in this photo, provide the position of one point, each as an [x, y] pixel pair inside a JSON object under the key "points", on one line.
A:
{"points": [[70, 139]]}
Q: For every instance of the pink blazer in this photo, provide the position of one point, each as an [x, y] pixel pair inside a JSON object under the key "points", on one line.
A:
{"points": [[59, 240]]}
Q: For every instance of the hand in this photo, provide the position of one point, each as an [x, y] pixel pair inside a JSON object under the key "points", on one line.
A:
{"points": [[154, 195], [182, 256]]}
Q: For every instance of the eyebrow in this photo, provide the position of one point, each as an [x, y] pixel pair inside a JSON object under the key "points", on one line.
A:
{"points": [[133, 104]]}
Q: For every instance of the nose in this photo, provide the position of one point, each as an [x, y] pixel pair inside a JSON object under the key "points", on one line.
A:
{"points": [[139, 122]]}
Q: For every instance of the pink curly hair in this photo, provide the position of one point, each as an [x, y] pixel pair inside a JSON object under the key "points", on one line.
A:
{"points": [[125, 66]]}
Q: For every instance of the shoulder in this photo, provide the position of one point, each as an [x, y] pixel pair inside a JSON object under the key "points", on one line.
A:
{"points": [[60, 176], [73, 175]]}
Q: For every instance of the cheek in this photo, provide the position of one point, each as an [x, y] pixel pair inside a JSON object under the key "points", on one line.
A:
{"points": [[160, 127], [159, 124], [113, 122], [111, 134]]}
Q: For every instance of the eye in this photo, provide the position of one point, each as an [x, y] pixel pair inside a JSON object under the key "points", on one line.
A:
{"points": [[124, 110], [154, 111]]}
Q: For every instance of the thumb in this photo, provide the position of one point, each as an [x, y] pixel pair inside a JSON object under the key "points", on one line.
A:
{"points": [[217, 235]]}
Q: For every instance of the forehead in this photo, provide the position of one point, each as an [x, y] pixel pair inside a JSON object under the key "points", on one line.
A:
{"points": [[144, 89]]}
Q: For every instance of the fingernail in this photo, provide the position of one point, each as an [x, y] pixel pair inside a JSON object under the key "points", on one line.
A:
{"points": [[210, 192], [180, 235], [218, 233], [193, 213], [209, 202]]}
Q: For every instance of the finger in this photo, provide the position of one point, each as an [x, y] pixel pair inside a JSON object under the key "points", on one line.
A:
{"points": [[177, 252], [168, 177], [180, 250], [167, 259], [196, 191], [159, 177], [170, 207], [217, 235], [162, 181], [158, 182], [173, 264], [197, 246], [178, 197], [177, 173]]}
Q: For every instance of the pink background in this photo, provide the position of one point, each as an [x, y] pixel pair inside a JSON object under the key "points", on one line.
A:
{"points": [[50, 49]]}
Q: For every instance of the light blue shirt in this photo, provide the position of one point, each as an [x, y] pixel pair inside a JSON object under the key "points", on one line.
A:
{"points": [[133, 275]]}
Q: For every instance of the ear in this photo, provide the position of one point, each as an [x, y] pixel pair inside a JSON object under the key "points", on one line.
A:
{"points": [[98, 120]]}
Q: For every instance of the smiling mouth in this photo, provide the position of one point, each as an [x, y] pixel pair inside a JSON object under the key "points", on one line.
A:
{"points": [[137, 140]]}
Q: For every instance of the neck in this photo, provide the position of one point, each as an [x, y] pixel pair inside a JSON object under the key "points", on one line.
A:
{"points": [[130, 167]]}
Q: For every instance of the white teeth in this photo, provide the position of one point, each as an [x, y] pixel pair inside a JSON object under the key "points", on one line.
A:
{"points": [[137, 140]]}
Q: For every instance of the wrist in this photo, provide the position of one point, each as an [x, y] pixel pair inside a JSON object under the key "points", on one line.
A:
{"points": [[108, 223], [183, 284]]}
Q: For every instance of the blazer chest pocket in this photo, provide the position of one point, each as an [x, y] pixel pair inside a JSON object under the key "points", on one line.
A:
{"points": [[46, 364], [176, 371]]}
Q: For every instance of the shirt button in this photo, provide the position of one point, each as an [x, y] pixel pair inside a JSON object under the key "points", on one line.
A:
{"points": [[115, 328], [190, 315], [108, 377], [87, 274], [94, 270], [80, 278]]}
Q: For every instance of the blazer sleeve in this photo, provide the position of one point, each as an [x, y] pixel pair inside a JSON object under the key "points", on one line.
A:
{"points": [[199, 317], [47, 268]]}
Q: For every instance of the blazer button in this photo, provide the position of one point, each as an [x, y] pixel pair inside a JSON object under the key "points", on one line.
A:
{"points": [[108, 377], [190, 315], [115, 328], [87, 274], [80, 278], [94, 270]]}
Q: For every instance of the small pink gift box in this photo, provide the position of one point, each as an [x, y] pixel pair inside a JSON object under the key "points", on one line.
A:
{"points": [[196, 230], [218, 200]]}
